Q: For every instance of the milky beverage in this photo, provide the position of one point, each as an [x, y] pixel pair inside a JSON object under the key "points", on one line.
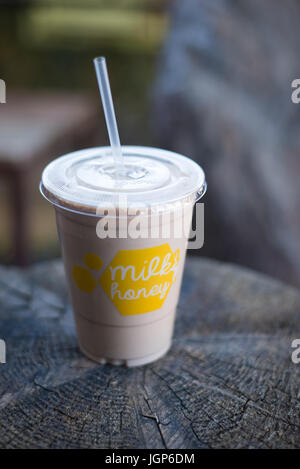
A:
{"points": [[123, 238]]}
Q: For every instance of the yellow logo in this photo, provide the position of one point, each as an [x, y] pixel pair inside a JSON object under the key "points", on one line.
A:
{"points": [[83, 277], [137, 281]]}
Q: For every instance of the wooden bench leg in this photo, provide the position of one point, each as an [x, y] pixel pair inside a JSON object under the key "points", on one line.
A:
{"points": [[20, 196]]}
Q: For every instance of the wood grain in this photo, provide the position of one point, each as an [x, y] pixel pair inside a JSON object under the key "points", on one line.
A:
{"points": [[228, 381]]}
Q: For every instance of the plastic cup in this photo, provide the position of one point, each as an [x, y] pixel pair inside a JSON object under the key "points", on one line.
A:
{"points": [[123, 241]]}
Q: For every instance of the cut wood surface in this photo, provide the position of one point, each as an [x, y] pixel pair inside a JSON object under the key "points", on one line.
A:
{"points": [[228, 381]]}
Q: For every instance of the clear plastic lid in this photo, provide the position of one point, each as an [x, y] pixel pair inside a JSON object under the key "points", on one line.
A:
{"points": [[87, 180]]}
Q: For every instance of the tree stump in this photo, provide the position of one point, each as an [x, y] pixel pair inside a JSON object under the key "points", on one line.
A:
{"points": [[228, 381]]}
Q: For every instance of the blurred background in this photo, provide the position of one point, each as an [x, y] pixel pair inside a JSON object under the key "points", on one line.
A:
{"points": [[207, 78], [46, 52]]}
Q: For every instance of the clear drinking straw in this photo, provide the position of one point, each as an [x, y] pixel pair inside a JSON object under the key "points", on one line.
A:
{"points": [[109, 111]]}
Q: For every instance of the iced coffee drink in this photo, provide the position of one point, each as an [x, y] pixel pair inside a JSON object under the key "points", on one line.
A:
{"points": [[123, 236]]}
